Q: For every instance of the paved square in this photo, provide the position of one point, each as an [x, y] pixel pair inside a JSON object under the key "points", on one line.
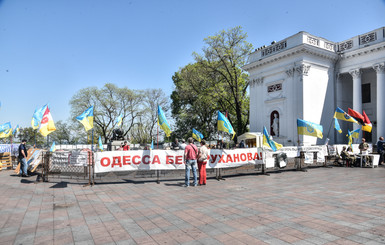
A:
{"points": [[322, 206]]}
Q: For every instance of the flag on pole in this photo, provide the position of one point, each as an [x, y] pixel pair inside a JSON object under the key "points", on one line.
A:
{"points": [[224, 124], [5, 130], [340, 114], [37, 116], [337, 125], [309, 128], [47, 124], [197, 135], [16, 130], [350, 138], [119, 120], [356, 115], [368, 125], [87, 118], [356, 133], [53, 147], [100, 144], [269, 142], [162, 122]]}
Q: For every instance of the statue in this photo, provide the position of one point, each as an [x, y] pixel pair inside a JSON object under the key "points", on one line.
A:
{"points": [[275, 125]]}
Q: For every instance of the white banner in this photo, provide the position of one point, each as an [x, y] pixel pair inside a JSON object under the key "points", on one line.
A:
{"points": [[111, 161]]}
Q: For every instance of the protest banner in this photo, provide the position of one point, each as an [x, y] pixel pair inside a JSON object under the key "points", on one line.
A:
{"points": [[112, 161]]}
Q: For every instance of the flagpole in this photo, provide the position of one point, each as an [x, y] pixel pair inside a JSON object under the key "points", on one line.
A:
{"points": [[330, 128], [92, 146]]}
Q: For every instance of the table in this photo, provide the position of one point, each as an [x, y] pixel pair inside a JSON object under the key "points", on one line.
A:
{"points": [[374, 159]]}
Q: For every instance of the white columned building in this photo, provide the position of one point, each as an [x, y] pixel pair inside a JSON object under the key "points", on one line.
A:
{"points": [[308, 77]]}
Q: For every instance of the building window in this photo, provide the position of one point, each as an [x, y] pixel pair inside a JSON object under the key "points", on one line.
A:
{"points": [[275, 87], [366, 93]]}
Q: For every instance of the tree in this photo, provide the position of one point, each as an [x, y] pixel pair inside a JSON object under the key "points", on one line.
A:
{"points": [[109, 102], [29, 134], [193, 104], [62, 134], [222, 59], [145, 126]]}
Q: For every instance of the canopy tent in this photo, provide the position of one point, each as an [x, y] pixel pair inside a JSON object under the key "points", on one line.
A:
{"points": [[252, 139]]}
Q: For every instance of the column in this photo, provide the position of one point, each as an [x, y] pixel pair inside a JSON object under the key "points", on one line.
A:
{"points": [[380, 69], [338, 94], [357, 94]]}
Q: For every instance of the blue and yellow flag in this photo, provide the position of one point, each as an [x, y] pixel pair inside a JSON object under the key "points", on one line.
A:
{"points": [[53, 147], [162, 122], [340, 114], [5, 130], [350, 138], [197, 135], [356, 133], [224, 124], [100, 144], [38, 116], [337, 125], [268, 142], [119, 120], [309, 128], [16, 130], [87, 118]]}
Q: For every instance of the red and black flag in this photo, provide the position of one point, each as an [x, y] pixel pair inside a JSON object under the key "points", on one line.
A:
{"points": [[368, 125], [356, 115]]}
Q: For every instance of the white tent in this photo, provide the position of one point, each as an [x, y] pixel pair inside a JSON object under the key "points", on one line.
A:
{"points": [[252, 139]]}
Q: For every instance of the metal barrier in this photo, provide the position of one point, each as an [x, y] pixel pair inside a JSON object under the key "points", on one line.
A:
{"points": [[80, 164]]}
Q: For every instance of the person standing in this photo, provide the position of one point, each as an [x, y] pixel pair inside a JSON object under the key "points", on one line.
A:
{"points": [[183, 144], [23, 153], [380, 149], [190, 159], [202, 161], [126, 147], [175, 145]]}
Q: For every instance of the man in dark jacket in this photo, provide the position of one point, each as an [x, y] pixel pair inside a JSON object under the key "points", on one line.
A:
{"points": [[23, 159]]}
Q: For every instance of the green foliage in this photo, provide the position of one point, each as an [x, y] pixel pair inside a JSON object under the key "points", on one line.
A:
{"points": [[29, 134], [215, 82]]}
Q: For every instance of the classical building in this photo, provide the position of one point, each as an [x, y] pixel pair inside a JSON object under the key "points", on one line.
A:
{"points": [[308, 77]]}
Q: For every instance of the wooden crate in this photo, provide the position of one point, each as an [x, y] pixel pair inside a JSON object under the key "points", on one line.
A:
{"points": [[5, 160]]}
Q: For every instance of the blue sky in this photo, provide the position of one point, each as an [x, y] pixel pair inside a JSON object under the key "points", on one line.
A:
{"points": [[49, 50]]}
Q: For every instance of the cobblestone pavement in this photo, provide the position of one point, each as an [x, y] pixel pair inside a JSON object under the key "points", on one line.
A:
{"points": [[322, 206]]}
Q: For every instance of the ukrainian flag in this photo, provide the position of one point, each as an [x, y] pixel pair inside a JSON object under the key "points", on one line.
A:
{"points": [[349, 135], [340, 114], [337, 125], [5, 127], [119, 120], [356, 133], [16, 130], [5, 130], [162, 122], [87, 118], [309, 128], [100, 144], [197, 135], [224, 124], [268, 142], [38, 116], [53, 147]]}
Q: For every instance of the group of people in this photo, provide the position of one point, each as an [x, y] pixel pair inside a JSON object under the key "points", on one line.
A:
{"points": [[354, 161], [194, 158]]}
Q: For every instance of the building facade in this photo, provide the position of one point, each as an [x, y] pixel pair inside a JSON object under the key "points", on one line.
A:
{"points": [[308, 77]]}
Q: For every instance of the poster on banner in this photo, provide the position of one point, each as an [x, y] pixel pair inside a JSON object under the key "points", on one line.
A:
{"points": [[112, 161], [309, 157]]}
